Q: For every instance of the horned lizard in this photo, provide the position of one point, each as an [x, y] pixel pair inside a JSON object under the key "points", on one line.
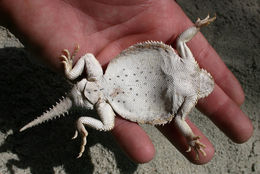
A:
{"points": [[146, 83]]}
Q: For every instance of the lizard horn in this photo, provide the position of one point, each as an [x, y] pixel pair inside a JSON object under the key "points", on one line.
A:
{"points": [[61, 108]]}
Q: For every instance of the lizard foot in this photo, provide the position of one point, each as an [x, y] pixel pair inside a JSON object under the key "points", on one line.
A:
{"points": [[81, 129], [204, 22], [67, 59], [84, 135], [75, 135], [197, 146]]}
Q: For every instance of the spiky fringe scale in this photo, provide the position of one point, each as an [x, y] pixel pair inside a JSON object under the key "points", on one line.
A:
{"points": [[60, 109]]}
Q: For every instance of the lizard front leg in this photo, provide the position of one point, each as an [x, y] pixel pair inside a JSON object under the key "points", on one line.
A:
{"points": [[88, 62], [188, 34], [192, 139], [184, 128]]}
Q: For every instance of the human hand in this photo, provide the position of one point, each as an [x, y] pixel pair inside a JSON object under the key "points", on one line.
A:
{"points": [[105, 28]]}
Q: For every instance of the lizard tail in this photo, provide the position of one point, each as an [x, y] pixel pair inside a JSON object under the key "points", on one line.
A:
{"points": [[61, 108]]}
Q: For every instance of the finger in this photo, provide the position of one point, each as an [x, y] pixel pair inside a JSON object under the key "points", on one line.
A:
{"points": [[219, 105], [210, 60], [133, 140], [226, 115], [179, 141]]}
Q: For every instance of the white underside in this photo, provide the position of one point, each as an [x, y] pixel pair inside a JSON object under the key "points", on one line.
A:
{"points": [[136, 89]]}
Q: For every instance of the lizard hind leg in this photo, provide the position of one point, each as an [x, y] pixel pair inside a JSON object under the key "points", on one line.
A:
{"points": [[87, 63], [105, 123]]}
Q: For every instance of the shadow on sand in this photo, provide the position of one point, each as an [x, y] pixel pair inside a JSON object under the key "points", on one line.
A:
{"points": [[28, 89]]}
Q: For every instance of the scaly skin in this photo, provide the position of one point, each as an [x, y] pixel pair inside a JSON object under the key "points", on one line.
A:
{"points": [[46, 31]]}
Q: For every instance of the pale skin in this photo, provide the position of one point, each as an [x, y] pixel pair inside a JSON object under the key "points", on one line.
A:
{"points": [[47, 27], [89, 67]]}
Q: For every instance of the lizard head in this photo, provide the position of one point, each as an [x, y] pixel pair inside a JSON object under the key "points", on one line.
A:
{"points": [[206, 83]]}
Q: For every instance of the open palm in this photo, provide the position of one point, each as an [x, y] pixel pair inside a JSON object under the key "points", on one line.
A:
{"points": [[105, 28]]}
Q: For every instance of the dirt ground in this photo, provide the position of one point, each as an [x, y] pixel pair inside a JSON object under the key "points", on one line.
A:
{"points": [[48, 148]]}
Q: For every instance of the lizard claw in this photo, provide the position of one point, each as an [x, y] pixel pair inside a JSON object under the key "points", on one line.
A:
{"points": [[76, 49], [197, 146], [189, 149], [75, 135], [204, 22], [67, 59], [83, 143]]}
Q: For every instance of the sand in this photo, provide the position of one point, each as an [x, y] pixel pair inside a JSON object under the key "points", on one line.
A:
{"points": [[48, 148]]}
